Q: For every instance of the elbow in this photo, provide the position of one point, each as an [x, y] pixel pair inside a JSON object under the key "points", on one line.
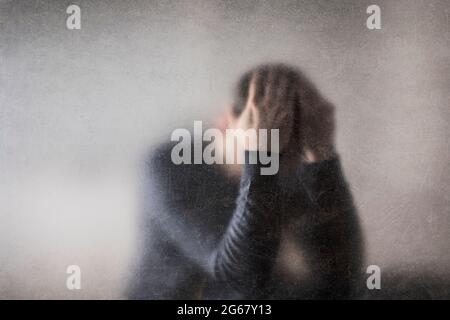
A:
{"points": [[236, 277]]}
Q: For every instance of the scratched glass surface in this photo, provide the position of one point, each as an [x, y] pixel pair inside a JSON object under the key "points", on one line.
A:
{"points": [[80, 108]]}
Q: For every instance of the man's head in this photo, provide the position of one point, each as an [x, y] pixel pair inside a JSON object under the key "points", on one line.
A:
{"points": [[273, 86], [285, 88], [268, 77]]}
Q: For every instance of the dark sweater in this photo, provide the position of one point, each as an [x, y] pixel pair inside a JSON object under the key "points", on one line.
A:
{"points": [[206, 235]]}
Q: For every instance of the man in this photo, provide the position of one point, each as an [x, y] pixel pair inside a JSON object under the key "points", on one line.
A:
{"points": [[229, 232]]}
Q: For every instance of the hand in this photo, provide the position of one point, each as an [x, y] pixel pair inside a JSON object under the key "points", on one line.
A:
{"points": [[317, 128], [270, 105]]}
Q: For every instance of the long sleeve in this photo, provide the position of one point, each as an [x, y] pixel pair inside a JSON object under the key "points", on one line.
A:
{"points": [[184, 237], [248, 249], [197, 232], [334, 241], [325, 186]]}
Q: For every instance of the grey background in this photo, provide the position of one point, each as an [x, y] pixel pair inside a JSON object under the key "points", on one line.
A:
{"points": [[78, 109]]}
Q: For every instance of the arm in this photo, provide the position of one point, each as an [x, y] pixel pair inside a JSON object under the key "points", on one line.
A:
{"points": [[334, 241], [180, 246], [248, 249], [241, 256]]}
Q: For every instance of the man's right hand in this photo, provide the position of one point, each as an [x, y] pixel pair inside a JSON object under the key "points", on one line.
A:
{"points": [[270, 105]]}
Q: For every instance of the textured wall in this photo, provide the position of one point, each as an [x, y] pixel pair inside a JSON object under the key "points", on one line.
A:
{"points": [[79, 108]]}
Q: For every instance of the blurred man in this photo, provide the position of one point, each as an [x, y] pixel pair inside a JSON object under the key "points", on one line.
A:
{"points": [[219, 231]]}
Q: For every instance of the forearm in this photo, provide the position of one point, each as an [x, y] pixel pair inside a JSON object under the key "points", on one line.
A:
{"points": [[336, 241], [326, 187], [247, 252]]}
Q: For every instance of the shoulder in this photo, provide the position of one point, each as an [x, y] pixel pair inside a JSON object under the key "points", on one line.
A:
{"points": [[170, 179], [158, 158], [159, 167]]}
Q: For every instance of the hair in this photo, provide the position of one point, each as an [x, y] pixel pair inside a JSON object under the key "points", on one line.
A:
{"points": [[307, 101]]}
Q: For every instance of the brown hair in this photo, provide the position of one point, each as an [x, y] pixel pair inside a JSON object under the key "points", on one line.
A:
{"points": [[310, 125]]}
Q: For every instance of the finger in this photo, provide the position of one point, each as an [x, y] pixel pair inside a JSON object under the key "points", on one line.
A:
{"points": [[282, 88], [270, 92], [245, 118], [260, 87], [251, 93], [254, 118]]}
